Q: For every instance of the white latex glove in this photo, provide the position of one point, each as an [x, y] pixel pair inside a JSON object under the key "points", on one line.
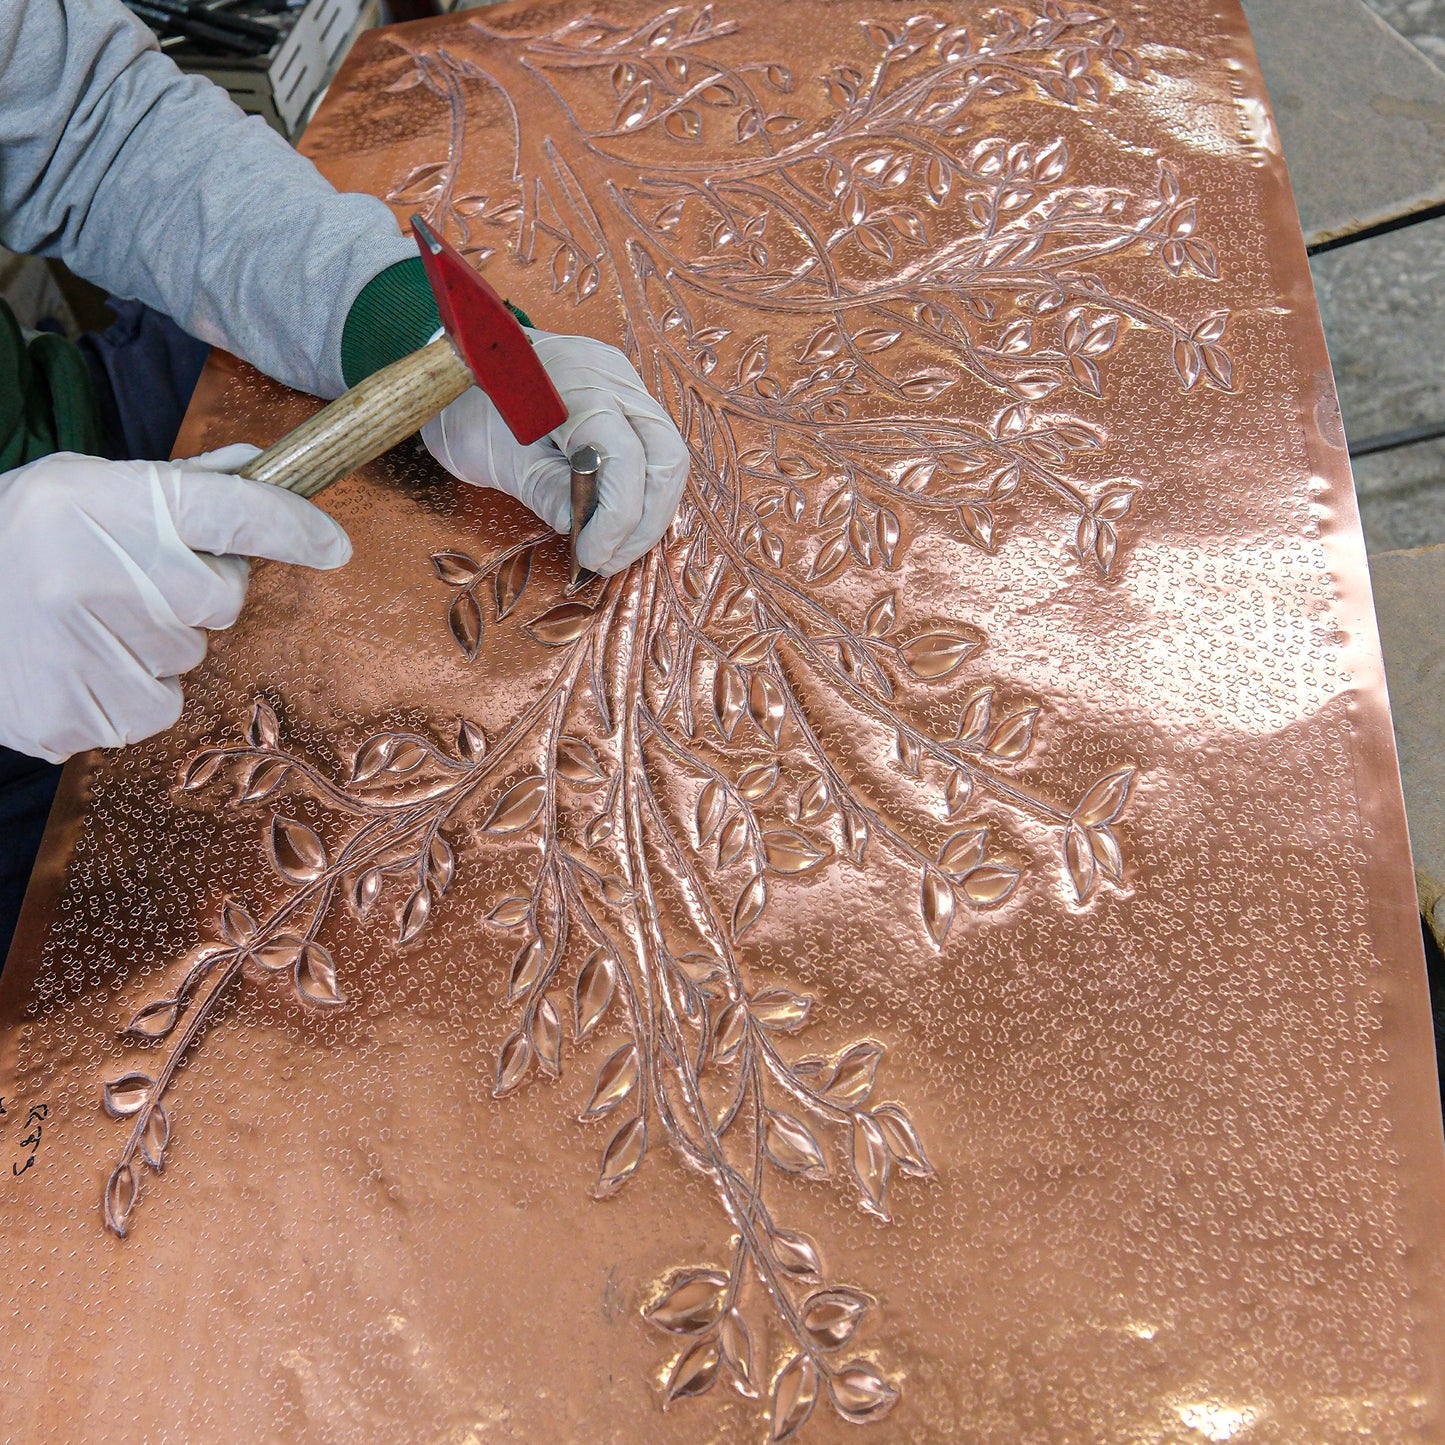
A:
{"points": [[644, 459], [108, 573]]}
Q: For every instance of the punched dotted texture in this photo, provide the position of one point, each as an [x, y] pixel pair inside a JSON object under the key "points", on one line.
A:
{"points": [[931, 948]]}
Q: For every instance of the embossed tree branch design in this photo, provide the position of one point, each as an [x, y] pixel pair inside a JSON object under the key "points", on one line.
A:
{"points": [[701, 670]]}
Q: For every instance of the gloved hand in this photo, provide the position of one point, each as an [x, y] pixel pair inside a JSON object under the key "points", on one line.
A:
{"points": [[108, 573], [644, 459]]}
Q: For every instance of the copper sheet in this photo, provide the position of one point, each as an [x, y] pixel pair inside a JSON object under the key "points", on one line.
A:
{"points": [[1015, 652]]}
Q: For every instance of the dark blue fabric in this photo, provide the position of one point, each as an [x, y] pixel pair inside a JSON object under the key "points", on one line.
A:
{"points": [[145, 369]]}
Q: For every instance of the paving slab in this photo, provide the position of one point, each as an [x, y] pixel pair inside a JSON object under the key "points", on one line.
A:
{"points": [[1410, 604], [1361, 114]]}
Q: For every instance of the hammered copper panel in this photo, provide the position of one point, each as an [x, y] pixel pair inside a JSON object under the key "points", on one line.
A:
{"points": [[933, 944]]}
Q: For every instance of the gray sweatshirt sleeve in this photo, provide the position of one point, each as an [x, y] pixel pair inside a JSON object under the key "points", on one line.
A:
{"points": [[154, 185]]}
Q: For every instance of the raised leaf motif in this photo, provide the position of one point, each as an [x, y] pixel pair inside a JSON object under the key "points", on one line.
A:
{"points": [[780, 1009], [513, 1061], [860, 1394], [596, 984], [795, 1392], [937, 905], [936, 654], [561, 624], [297, 853], [465, 620], [316, 977], [788, 851], [871, 1161], [455, 568], [693, 1373], [693, 1303], [518, 807], [830, 1316], [616, 1079], [621, 1158], [737, 1351], [791, 1146], [414, 914], [853, 1078], [128, 1094], [511, 581], [547, 1037]]}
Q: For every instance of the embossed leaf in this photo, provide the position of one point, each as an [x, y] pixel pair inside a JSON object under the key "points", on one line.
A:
{"points": [[202, 769], [963, 851], [526, 968], [731, 1030], [686, 124], [830, 1316], [958, 792], [120, 1196], [758, 781], [265, 728], [711, 805], [265, 779], [824, 344], [414, 915], [830, 556], [1105, 847], [871, 1163], [577, 762], [790, 852], [693, 1373], [991, 883], [907, 751], [1013, 737], [155, 1020], [855, 835], [752, 649], [237, 924], [366, 890], [561, 624], [513, 1060], [471, 741], [860, 1394], [794, 1395], [281, 951], [634, 109], [937, 904], [792, 1147], [511, 580], [518, 807], [596, 983], [977, 521], [1106, 799], [316, 977], [441, 863], [154, 1137], [765, 705], [796, 1255], [728, 699], [936, 654], [749, 905], [455, 568], [780, 1010], [692, 1304], [297, 853], [875, 339], [371, 757], [753, 362], [616, 1079], [812, 800], [926, 385], [853, 1079], [511, 911], [406, 757], [902, 1140], [737, 1349], [464, 617], [882, 616], [732, 840], [547, 1037], [1080, 859], [661, 654], [599, 830], [127, 1094], [621, 1158]]}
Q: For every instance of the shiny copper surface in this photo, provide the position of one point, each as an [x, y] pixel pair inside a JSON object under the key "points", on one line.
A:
{"points": [[934, 944]]}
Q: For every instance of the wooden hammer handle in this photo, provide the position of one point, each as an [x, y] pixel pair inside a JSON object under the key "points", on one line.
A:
{"points": [[370, 419]]}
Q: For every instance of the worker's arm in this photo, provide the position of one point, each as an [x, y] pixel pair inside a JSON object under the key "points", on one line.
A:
{"points": [[152, 184]]}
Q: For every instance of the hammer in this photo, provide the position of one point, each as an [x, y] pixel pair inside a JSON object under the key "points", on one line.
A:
{"points": [[483, 345]]}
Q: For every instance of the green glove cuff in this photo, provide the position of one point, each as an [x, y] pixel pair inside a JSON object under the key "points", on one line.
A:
{"points": [[394, 314]]}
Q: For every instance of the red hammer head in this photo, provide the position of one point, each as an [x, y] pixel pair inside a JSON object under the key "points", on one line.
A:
{"points": [[490, 340]]}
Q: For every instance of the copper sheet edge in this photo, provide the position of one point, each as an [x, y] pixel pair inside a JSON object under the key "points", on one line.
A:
{"points": [[1187, 1167]]}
